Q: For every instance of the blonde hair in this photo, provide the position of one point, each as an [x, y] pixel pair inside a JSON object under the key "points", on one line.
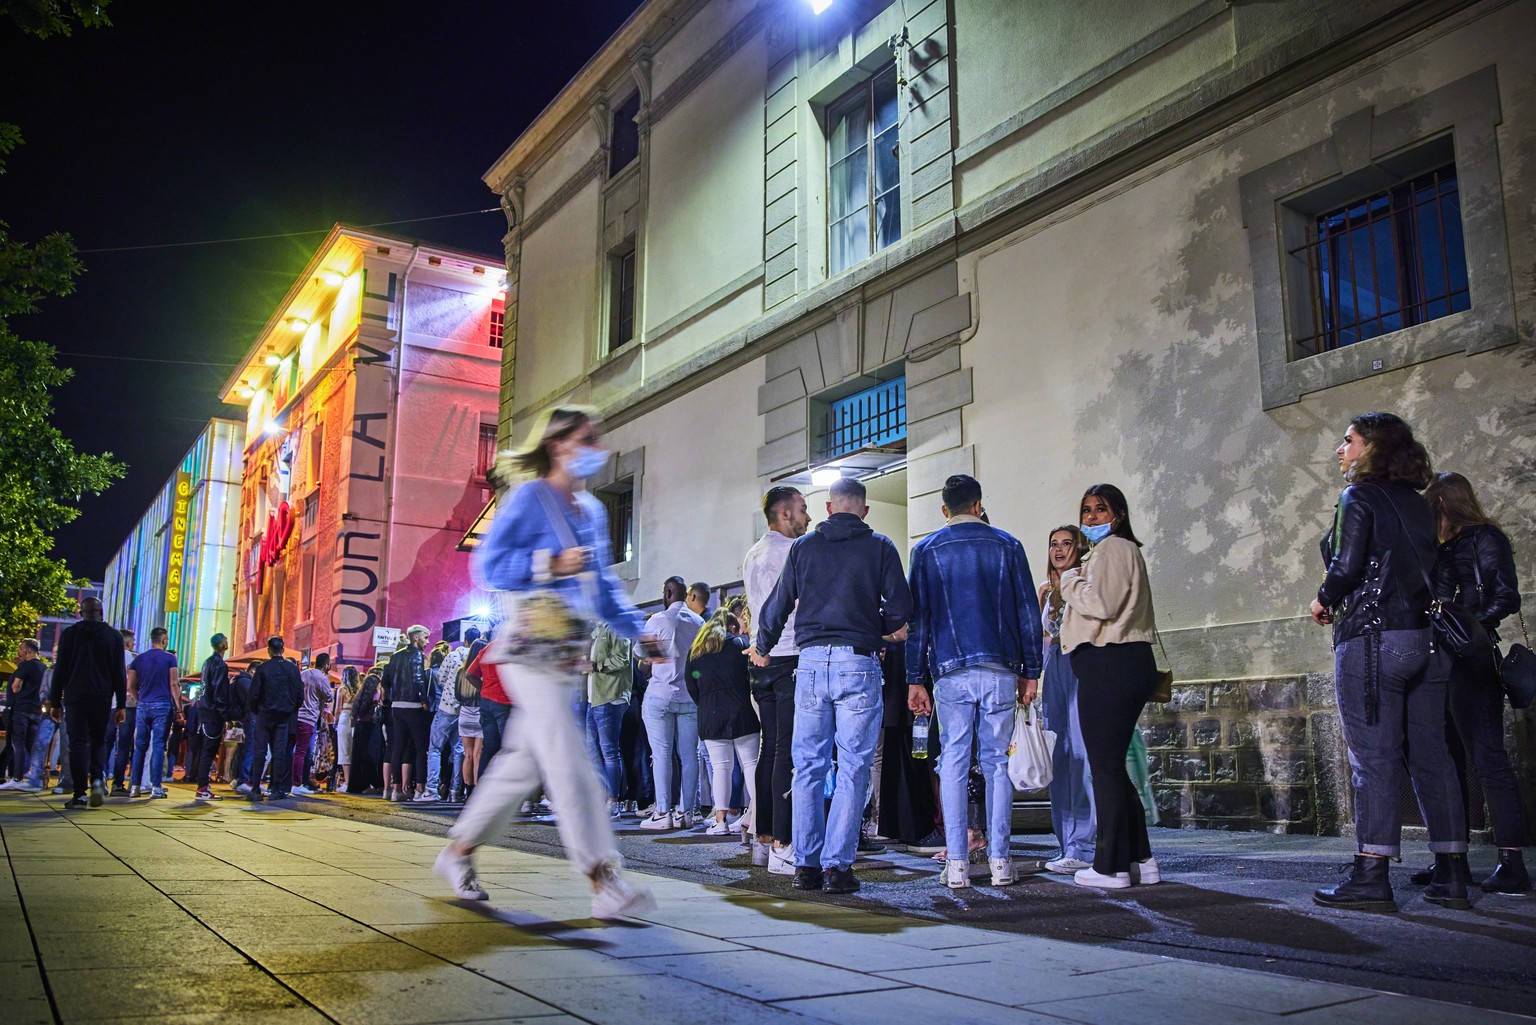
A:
{"points": [[711, 636]]}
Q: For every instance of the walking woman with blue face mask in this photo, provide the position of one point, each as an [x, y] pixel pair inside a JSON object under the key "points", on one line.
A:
{"points": [[547, 557], [1107, 632]]}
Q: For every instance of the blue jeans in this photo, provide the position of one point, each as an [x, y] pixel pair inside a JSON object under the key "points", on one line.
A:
{"points": [[38, 761], [1072, 816], [837, 700], [444, 725], [976, 702], [1408, 727], [673, 726], [603, 725], [149, 737], [493, 727]]}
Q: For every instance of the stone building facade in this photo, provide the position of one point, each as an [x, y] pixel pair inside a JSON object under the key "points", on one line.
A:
{"points": [[1064, 243]]}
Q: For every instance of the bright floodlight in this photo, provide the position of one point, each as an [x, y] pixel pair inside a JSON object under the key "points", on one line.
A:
{"points": [[820, 5], [825, 478]]}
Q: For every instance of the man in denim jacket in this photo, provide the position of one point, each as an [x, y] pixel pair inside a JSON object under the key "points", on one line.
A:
{"points": [[975, 636]]}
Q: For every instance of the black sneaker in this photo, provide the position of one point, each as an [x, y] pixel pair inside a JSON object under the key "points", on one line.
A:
{"points": [[118, 790], [807, 877], [841, 880], [868, 846], [933, 843], [255, 796], [78, 801]]}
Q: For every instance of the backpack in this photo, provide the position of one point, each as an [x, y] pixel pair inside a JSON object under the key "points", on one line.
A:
{"points": [[225, 696]]}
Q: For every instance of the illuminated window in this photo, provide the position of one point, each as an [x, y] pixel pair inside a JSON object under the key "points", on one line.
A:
{"points": [[498, 325], [863, 172], [619, 501]]}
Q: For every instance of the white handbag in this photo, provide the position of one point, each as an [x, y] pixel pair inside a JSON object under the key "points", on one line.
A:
{"points": [[1029, 753]]}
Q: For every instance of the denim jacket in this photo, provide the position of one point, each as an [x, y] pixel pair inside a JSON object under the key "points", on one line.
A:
{"points": [[974, 603]]}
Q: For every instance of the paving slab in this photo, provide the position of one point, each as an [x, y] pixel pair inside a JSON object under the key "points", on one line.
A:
{"points": [[762, 975], [413, 996], [102, 994], [626, 1000]]}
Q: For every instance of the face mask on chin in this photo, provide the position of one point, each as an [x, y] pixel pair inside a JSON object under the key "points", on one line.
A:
{"points": [[1098, 533], [586, 461]]}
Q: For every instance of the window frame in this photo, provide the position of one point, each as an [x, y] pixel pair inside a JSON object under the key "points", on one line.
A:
{"points": [[624, 256], [627, 128], [835, 112]]}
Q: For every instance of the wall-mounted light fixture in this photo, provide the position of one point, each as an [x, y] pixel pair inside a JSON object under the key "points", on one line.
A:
{"points": [[297, 324], [825, 478], [245, 391], [334, 278], [272, 359]]}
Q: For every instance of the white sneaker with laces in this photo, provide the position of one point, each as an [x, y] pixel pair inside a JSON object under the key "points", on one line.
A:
{"points": [[459, 870], [1003, 873], [781, 860], [718, 829], [957, 874], [428, 797], [760, 853], [301, 789], [10, 784], [1088, 877], [1067, 866], [745, 822], [660, 820], [1145, 873], [617, 897]]}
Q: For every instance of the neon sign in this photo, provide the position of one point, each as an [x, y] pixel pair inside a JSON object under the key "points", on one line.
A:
{"points": [[176, 564], [279, 530]]}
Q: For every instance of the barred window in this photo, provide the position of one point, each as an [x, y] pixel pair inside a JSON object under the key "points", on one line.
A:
{"points": [[1384, 263], [498, 325]]}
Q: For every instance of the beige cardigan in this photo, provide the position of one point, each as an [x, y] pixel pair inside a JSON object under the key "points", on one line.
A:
{"points": [[1109, 600]]}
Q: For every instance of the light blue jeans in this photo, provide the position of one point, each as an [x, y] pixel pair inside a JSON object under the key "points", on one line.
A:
{"points": [[837, 701], [149, 737], [444, 724], [673, 726], [976, 702], [1071, 782]]}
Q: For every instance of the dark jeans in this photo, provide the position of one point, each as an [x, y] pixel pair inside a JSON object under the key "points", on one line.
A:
{"points": [[24, 727], [203, 742], [303, 737], [409, 730], [1408, 727], [493, 726], [86, 721], [1113, 684], [635, 749], [122, 750], [604, 724], [273, 730], [774, 688], [1477, 714]]}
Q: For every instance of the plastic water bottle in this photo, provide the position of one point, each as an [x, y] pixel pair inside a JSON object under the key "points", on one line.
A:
{"points": [[920, 737]]}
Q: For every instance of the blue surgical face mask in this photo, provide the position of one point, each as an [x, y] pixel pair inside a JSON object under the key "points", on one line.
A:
{"points": [[1098, 533], [586, 461]]}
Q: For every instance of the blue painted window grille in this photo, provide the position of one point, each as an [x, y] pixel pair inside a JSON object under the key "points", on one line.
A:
{"points": [[873, 418], [1384, 263]]}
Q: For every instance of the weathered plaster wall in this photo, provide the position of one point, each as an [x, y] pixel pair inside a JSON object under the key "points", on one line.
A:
{"points": [[558, 289]]}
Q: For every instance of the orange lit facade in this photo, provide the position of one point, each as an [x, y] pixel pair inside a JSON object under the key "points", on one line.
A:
{"points": [[371, 404]]}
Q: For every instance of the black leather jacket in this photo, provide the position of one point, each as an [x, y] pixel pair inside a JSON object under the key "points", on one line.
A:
{"points": [[1377, 570], [1476, 569]]}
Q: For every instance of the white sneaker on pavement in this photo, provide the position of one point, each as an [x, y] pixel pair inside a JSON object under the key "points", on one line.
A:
{"points": [[1088, 877], [1003, 873], [781, 860], [1145, 873], [742, 823], [301, 789], [957, 874], [428, 797], [1067, 866], [660, 820], [617, 897], [760, 853], [459, 870], [718, 829]]}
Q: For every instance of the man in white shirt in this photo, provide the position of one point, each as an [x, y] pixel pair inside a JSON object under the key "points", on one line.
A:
{"points": [[774, 684], [670, 716]]}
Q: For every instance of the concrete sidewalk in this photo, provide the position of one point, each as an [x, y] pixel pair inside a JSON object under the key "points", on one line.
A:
{"points": [[190, 913]]}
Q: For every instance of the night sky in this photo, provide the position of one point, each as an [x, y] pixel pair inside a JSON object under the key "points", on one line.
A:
{"points": [[186, 122]]}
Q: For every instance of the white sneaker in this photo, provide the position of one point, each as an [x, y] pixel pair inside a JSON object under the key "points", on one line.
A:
{"points": [[957, 874], [1003, 873], [781, 860], [687, 819], [133, 791], [428, 797], [305, 791], [1145, 873], [10, 784], [58, 790], [459, 870], [743, 823], [718, 829], [1067, 866], [28, 788], [660, 820], [760, 854], [1088, 877], [617, 897]]}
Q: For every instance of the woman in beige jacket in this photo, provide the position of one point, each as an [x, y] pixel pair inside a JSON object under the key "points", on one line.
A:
{"points": [[1107, 632]]}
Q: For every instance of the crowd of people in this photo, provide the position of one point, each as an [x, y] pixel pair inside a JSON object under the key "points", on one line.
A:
{"points": [[805, 714]]}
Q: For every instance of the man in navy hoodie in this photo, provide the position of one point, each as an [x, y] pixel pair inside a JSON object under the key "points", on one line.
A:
{"points": [[845, 585]]}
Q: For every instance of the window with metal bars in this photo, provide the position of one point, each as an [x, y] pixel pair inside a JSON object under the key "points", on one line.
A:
{"points": [[485, 452], [621, 523], [863, 172], [875, 418], [498, 325], [1384, 263]]}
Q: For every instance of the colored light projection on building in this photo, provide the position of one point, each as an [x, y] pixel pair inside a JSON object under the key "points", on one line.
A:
{"points": [[142, 589]]}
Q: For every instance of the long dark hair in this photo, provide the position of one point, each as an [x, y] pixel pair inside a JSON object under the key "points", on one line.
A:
{"points": [[1080, 546], [1118, 508], [1451, 496], [1392, 453]]}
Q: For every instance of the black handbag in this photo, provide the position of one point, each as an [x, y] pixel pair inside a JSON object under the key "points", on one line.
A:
{"points": [[1517, 670]]}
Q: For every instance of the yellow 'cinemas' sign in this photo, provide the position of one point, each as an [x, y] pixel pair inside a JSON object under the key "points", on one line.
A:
{"points": [[176, 565]]}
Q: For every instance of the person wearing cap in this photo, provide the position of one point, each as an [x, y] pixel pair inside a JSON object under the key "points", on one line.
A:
{"points": [[408, 678], [550, 535], [207, 732]]}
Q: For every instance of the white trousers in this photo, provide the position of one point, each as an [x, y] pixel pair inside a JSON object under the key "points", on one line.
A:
{"points": [[725, 753], [542, 742]]}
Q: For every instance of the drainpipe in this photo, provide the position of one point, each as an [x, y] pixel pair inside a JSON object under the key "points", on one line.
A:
{"points": [[394, 437]]}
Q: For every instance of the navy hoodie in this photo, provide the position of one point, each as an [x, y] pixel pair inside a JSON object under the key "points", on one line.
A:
{"points": [[849, 584]]}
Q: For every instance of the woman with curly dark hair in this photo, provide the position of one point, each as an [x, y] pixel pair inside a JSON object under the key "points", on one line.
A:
{"points": [[1376, 596], [1475, 569]]}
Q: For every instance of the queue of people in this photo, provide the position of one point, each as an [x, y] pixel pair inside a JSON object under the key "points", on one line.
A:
{"points": [[796, 711]]}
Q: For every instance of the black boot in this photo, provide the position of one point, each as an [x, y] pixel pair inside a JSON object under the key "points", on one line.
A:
{"points": [[1424, 876], [1510, 876], [1448, 888], [1366, 889]]}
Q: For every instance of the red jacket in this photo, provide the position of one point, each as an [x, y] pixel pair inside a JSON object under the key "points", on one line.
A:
{"points": [[490, 679]]}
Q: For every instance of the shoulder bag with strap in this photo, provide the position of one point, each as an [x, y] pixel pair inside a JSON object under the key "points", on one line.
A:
{"points": [[541, 627]]}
